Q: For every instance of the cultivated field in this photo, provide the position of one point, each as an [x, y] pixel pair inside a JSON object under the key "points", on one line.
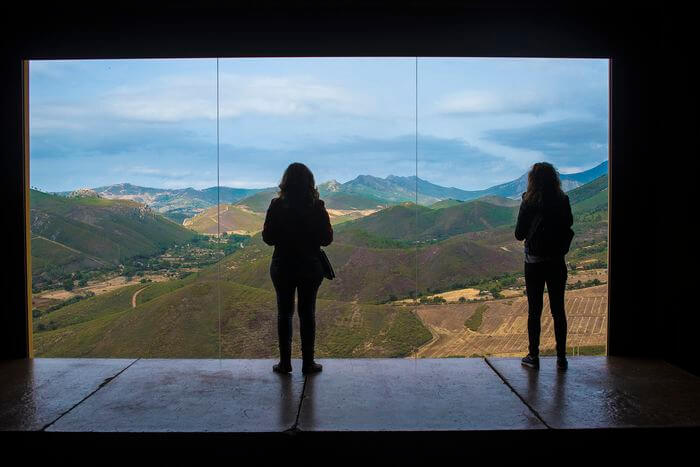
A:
{"points": [[503, 326], [97, 288]]}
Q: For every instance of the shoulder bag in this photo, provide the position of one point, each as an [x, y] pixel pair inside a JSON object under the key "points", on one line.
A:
{"points": [[328, 272]]}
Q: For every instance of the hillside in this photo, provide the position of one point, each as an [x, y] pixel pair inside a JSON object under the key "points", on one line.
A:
{"points": [[500, 201], [176, 204], [372, 275], [408, 222], [72, 234], [590, 196], [184, 321], [258, 202], [445, 203], [233, 219]]}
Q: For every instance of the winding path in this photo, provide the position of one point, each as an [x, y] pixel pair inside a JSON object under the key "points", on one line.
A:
{"points": [[133, 297]]}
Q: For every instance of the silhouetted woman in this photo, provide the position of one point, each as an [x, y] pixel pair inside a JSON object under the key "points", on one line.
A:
{"points": [[297, 224], [544, 222]]}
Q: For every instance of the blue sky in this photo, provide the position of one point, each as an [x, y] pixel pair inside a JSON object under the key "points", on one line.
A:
{"points": [[479, 122]]}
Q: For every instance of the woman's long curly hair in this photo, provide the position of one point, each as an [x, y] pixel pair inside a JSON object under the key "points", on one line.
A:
{"points": [[543, 184], [298, 185]]}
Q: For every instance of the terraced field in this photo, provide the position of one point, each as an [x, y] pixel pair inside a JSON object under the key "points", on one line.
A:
{"points": [[503, 330]]}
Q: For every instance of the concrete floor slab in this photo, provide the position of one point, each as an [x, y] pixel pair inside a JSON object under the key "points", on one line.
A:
{"points": [[35, 392], [606, 392], [410, 395], [192, 396]]}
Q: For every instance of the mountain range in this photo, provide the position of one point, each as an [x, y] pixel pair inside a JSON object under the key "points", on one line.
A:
{"points": [[362, 192]]}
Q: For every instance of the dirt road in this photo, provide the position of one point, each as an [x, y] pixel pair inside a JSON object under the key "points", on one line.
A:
{"points": [[133, 297]]}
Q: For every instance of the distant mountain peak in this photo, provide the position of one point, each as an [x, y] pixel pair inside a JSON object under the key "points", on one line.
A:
{"points": [[330, 185], [84, 193]]}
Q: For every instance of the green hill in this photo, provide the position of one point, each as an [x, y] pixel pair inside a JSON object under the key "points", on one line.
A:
{"points": [[372, 275], [70, 234], [592, 196], [231, 217], [399, 222], [500, 201], [445, 203], [258, 202], [352, 201], [183, 321]]}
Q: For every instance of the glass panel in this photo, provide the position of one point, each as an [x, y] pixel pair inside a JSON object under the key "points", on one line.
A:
{"points": [[122, 155], [352, 122], [482, 124], [420, 164]]}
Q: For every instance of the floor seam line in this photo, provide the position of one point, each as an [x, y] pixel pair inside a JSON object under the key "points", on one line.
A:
{"points": [[534, 412], [295, 427], [102, 384]]}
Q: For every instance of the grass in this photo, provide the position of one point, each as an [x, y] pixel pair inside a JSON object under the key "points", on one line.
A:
{"points": [[180, 319], [156, 289], [475, 320], [93, 230], [88, 309]]}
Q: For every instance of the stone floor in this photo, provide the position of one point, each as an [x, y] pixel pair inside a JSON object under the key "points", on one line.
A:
{"points": [[364, 395]]}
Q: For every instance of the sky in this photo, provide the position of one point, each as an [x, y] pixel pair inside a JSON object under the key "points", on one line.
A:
{"points": [[458, 122]]}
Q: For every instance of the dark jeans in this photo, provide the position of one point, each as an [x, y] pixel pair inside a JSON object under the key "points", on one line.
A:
{"points": [[554, 274], [303, 277]]}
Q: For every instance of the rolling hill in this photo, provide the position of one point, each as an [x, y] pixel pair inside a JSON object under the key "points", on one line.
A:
{"points": [[408, 222], [233, 219], [176, 204], [445, 203], [372, 275], [258, 202], [591, 196], [85, 232], [184, 322]]}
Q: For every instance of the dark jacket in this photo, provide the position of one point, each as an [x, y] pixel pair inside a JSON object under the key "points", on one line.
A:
{"points": [[556, 222], [297, 232]]}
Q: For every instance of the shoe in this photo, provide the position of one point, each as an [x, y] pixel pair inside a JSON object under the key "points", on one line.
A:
{"points": [[281, 368], [312, 368], [562, 363], [532, 362]]}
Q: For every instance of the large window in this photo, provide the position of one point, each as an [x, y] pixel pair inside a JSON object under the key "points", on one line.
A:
{"points": [[150, 180]]}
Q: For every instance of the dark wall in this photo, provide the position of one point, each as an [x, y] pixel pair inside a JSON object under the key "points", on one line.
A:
{"points": [[652, 116]]}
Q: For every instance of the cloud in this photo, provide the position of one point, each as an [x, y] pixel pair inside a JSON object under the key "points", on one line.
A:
{"points": [[106, 140], [159, 172], [183, 98], [489, 102], [566, 143], [446, 161]]}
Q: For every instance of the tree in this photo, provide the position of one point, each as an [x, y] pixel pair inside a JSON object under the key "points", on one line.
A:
{"points": [[462, 300], [68, 284]]}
